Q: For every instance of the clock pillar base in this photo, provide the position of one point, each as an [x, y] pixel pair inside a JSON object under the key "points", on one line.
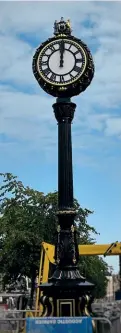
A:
{"points": [[66, 299]]}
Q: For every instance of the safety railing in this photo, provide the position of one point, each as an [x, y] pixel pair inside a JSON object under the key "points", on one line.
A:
{"points": [[14, 321]]}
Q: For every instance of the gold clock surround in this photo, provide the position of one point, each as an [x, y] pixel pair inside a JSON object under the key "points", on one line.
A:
{"points": [[77, 84], [66, 40]]}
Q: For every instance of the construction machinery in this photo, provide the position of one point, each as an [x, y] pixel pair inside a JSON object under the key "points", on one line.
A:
{"points": [[47, 258]]}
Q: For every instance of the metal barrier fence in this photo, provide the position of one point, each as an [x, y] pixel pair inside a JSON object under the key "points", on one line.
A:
{"points": [[15, 321]]}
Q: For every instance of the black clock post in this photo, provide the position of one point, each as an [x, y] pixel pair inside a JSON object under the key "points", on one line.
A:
{"points": [[67, 293]]}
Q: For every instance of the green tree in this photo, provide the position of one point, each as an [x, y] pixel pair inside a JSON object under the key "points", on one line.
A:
{"points": [[28, 217], [95, 270]]}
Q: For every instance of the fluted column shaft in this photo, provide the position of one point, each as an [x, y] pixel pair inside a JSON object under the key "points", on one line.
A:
{"points": [[65, 173], [66, 252], [64, 113]]}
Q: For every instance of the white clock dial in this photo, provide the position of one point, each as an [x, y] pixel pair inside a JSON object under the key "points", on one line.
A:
{"points": [[61, 62], [68, 63]]}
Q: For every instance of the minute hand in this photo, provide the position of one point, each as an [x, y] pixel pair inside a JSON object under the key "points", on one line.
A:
{"points": [[62, 49]]}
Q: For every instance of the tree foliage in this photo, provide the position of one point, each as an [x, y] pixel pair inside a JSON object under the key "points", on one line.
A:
{"points": [[28, 217]]}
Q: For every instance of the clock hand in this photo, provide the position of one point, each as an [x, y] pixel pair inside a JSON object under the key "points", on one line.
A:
{"points": [[62, 49]]}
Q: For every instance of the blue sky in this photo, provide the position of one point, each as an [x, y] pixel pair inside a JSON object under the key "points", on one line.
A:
{"points": [[28, 130]]}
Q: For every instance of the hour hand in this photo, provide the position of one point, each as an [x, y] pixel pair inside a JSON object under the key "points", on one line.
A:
{"points": [[62, 49]]}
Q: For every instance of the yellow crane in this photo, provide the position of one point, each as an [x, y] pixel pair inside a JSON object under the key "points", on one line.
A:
{"points": [[47, 257]]}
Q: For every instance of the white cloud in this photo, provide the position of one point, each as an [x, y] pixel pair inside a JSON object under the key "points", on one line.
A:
{"points": [[15, 61], [25, 116]]}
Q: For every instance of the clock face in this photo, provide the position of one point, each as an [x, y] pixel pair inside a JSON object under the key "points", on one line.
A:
{"points": [[61, 62]]}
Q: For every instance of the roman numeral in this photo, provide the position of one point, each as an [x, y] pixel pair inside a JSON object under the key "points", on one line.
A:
{"points": [[44, 63], [46, 71], [76, 52], [71, 76], [53, 77], [52, 48], [70, 47], [77, 69], [79, 60], [61, 79]]}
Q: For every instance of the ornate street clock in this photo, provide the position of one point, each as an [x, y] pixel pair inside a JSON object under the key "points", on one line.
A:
{"points": [[63, 65]]}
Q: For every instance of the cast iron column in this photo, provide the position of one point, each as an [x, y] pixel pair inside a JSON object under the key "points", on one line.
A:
{"points": [[64, 114], [66, 253]]}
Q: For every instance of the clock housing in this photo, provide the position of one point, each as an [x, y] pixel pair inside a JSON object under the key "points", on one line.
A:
{"points": [[63, 66]]}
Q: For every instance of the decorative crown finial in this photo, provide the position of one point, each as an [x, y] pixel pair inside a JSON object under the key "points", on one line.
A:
{"points": [[62, 27]]}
